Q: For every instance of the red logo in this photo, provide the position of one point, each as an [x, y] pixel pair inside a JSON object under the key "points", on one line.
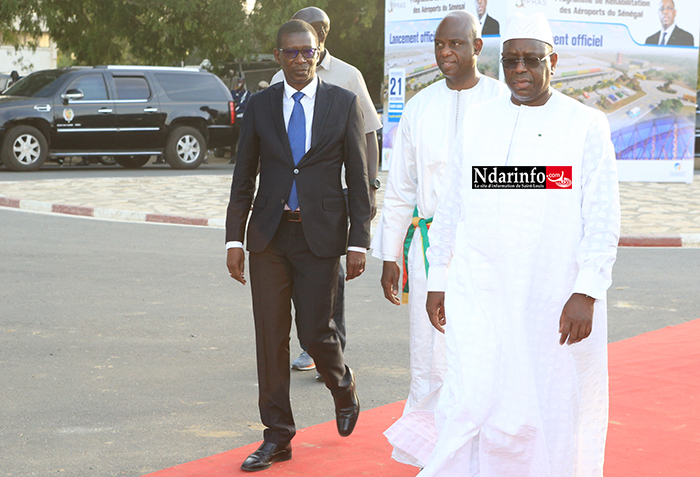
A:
{"points": [[559, 177]]}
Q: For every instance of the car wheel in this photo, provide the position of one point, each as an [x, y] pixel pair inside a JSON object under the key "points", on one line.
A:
{"points": [[24, 149], [185, 148], [132, 162], [107, 160]]}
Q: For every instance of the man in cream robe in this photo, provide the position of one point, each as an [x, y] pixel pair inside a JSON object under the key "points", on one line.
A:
{"points": [[518, 278], [424, 142]]}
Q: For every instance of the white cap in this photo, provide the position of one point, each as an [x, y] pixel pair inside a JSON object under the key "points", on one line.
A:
{"points": [[531, 27]]}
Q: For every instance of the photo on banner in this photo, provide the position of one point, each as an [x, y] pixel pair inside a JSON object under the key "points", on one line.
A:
{"points": [[637, 61], [634, 60]]}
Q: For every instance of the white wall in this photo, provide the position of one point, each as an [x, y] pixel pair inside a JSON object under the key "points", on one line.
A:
{"points": [[26, 61]]}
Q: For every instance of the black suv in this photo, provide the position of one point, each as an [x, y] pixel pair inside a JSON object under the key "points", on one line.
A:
{"points": [[128, 112]]}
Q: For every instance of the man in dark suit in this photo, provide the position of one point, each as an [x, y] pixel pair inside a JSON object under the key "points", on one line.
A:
{"points": [[489, 26], [298, 133], [669, 34]]}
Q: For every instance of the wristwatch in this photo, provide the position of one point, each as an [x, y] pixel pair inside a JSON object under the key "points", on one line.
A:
{"points": [[376, 184]]}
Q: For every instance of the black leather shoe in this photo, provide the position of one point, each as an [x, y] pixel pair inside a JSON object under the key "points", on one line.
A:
{"points": [[347, 410], [266, 455]]}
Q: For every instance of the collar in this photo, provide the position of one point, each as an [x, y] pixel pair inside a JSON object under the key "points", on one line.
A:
{"points": [[326, 63], [309, 90], [483, 19], [669, 29]]}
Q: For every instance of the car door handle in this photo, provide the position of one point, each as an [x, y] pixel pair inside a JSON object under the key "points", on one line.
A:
{"points": [[150, 110], [104, 110]]}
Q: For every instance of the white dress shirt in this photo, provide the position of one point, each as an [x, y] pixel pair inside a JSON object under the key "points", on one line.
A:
{"points": [[307, 102]]}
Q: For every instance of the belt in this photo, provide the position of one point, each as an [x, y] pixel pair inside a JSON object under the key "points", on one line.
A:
{"points": [[290, 216]]}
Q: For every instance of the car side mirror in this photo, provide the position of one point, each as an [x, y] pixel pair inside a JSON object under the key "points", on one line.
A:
{"points": [[72, 95]]}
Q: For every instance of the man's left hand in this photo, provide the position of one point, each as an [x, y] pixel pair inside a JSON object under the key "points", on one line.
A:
{"points": [[354, 265], [576, 320]]}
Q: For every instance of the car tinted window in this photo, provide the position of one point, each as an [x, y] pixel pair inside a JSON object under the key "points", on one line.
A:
{"points": [[132, 87], [191, 87], [92, 86], [40, 84], [4, 81]]}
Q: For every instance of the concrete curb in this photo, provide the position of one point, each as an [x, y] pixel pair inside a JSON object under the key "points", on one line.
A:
{"points": [[651, 240]]}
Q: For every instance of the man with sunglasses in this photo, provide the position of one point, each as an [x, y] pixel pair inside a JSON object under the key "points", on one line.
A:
{"points": [[670, 33], [335, 71], [429, 126], [521, 252], [298, 134]]}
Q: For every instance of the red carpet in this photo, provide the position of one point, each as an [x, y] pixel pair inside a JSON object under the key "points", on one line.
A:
{"points": [[316, 451], [654, 422], [655, 404]]}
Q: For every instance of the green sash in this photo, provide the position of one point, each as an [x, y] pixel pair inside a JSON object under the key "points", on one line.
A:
{"points": [[423, 225]]}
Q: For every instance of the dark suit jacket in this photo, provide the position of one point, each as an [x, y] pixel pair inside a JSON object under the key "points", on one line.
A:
{"points": [[678, 37], [491, 26], [337, 138]]}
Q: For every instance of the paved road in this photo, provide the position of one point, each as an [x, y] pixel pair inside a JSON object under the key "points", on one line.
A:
{"points": [[648, 209], [125, 347], [68, 171]]}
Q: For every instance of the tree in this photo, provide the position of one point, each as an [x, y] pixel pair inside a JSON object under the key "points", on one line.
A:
{"points": [[356, 36], [167, 32], [159, 32]]}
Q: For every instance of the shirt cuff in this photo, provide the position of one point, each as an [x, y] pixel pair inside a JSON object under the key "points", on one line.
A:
{"points": [[437, 278], [357, 249], [234, 244], [591, 284]]}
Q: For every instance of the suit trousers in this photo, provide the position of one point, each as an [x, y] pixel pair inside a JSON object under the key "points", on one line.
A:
{"points": [[285, 272]]}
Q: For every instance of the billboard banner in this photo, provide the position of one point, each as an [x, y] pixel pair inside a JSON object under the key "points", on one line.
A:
{"points": [[635, 60]]}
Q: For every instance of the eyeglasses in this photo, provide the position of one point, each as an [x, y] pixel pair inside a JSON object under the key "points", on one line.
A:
{"points": [[530, 62], [291, 53]]}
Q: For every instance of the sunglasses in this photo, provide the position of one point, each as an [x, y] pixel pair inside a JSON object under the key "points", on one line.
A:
{"points": [[291, 53], [531, 62]]}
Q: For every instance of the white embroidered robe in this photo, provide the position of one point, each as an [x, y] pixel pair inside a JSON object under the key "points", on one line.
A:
{"points": [[514, 401], [424, 141]]}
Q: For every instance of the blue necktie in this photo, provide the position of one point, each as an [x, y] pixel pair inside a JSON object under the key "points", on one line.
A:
{"points": [[663, 39], [296, 130]]}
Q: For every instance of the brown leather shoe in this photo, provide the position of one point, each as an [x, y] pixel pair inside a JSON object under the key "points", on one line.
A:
{"points": [[347, 410], [266, 455]]}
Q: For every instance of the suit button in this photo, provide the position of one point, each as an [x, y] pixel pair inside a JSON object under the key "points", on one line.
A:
{"points": [[282, 201], [296, 171]]}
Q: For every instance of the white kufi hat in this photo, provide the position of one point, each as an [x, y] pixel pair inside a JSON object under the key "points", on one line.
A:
{"points": [[531, 27]]}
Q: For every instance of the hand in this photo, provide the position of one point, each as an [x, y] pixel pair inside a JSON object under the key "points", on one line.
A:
{"points": [[576, 320], [390, 282], [435, 306], [354, 265], [235, 261]]}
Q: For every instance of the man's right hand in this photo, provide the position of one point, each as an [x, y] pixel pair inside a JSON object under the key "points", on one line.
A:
{"points": [[390, 282], [435, 306], [235, 261]]}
